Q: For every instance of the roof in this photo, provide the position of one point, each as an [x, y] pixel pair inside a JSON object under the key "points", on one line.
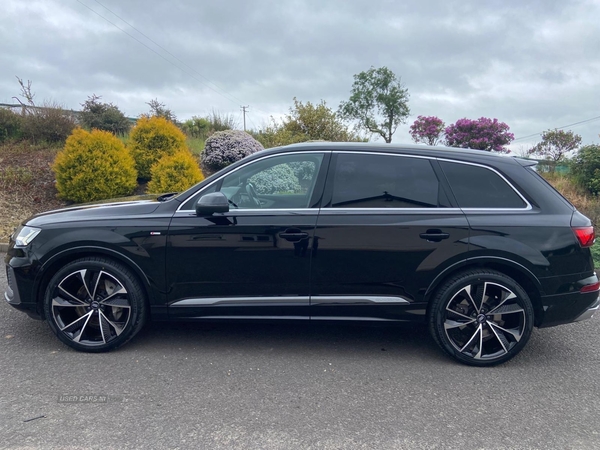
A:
{"points": [[407, 149]]}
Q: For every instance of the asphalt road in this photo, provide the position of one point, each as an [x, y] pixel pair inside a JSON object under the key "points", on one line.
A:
{"points": [[287, 386]]}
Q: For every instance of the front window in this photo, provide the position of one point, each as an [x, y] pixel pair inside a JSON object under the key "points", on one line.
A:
{"points": [[278, 182]]}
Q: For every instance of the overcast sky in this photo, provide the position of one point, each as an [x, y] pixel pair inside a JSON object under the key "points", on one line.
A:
{"points": [[532, 64]]}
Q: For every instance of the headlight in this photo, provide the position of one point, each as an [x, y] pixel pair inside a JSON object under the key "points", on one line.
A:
{"points": [[24, 235]]}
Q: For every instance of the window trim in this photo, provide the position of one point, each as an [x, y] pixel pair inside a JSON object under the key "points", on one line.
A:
{"points": [[527, 207], [327, 209], [330, 179]]}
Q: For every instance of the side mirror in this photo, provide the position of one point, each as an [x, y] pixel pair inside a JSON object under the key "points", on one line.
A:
{"points": [[215, 202]]}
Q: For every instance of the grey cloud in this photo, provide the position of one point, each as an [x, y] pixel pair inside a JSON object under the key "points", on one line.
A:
{"points": [[531, 64]]}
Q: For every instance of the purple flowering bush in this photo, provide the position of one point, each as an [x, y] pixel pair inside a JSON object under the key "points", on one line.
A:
{"points": [[481, 134], [226, 147], [427, 129]]}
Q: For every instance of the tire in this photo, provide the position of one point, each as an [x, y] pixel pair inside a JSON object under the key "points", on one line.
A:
{"points": [[481, 317], [95, 304]]}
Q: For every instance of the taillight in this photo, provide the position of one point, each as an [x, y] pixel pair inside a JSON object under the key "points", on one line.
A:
{"points": [[585, 235], [590, 287]]}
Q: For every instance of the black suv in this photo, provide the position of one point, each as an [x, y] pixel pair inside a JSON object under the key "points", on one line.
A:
{"points": [[476, 245]]}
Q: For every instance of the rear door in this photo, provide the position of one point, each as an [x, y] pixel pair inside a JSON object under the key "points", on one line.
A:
{"points": [[387, 228]]}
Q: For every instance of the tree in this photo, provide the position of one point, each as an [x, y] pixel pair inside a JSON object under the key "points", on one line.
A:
{"points": [[103, 116], [428, 130], [158, 109], [317, 122], [481, 134], [556, 144], [307, 122], [379, 102]]}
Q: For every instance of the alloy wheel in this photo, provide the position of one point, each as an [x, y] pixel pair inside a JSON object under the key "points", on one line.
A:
{"points": [[485, 320], [91, 307]]}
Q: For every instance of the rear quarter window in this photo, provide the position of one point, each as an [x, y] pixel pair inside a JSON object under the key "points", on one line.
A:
{"points": [[480, 187]]}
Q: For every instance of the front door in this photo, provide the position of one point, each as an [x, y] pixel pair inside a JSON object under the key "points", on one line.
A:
{"points": [[254, 261]]}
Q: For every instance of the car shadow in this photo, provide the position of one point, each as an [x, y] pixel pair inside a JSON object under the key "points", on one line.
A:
{"points": [[295, 337]]}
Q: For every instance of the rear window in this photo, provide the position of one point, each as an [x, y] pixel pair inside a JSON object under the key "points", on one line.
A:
{"points": [[479, 187], [384, 181], [535, 173]]}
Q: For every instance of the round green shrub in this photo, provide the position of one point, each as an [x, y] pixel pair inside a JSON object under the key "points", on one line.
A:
{"points": [[150, 140], [174, 173], [94, 166], [226, 147]]}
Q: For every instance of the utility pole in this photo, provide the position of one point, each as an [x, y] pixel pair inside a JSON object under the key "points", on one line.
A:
{"points": [[244, 110]]}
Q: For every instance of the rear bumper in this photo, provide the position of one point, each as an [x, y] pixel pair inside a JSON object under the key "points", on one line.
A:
{"points": [[589, 313], [569, 303]]}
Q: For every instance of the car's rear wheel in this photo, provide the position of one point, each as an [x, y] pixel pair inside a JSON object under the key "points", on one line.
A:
{"points": [[481, 317], [95, 304]]}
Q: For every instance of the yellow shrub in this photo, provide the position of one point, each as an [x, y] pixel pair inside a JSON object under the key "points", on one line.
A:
{"points": [[174, 173], [151, 139], [94, 166]]}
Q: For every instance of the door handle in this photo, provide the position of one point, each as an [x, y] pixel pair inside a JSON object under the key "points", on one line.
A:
{"points": [[434, 235], [293, 235]]}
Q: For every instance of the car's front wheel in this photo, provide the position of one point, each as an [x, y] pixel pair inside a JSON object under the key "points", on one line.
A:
{"points": [[95, 304], [481, 317]]}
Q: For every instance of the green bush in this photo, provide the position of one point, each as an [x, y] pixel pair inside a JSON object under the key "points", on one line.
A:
{"points": [[94, 166], [151, 139], [103, 116], [10, 124], [585, 167], [197, 127], [49, 123], [174, 173], [596, 254]]}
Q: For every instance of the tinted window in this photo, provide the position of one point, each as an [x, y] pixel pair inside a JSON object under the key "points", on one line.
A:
{"points": [[478, 187], [382, 181], [279, 182]]}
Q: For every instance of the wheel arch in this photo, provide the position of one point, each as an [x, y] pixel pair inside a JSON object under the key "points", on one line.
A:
{"points": [[521, 274], [55, 262]]}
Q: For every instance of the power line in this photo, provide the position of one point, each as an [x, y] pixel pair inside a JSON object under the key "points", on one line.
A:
{"points": [[168, 52], [154, 51], [559, 128]]}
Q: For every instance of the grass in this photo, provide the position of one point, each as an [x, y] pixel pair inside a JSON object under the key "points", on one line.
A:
{"points": [[585, 202], [196, 145]]}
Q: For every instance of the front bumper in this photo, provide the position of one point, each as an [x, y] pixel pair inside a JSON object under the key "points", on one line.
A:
{"points": [[13, 297]]}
